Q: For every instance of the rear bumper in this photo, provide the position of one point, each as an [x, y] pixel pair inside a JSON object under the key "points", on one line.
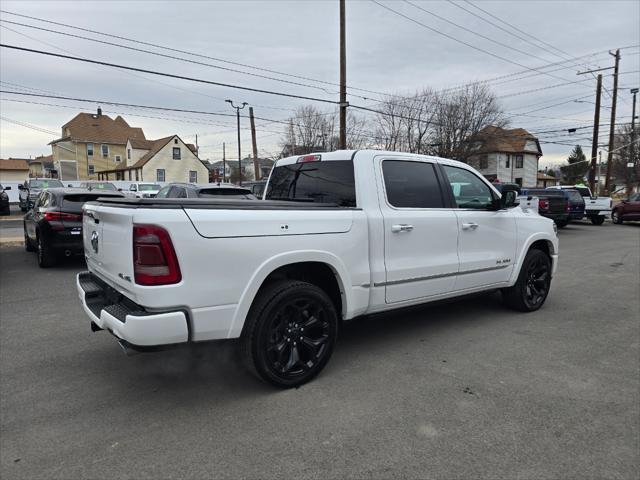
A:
{"points": [[558, 217], [111, 311]]}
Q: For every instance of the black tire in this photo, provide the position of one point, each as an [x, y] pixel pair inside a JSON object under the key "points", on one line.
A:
{"points": [[46, 257], [562, 223], [27, 243], [531, 290], [616, 217], [24, 209], [274, 328], [597, 219]]}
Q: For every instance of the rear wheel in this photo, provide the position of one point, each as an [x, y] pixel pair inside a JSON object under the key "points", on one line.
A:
{"points": [[290, 333], [616, 217], [46, 257], [597, 219], [531, 290], [27, 243]]}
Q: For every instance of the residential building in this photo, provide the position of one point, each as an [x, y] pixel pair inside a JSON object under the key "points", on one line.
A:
{"points": [[506, 155], [13, 171], [42, 167], [167, 159], [248, 169], [91, 143], [545, 180]]}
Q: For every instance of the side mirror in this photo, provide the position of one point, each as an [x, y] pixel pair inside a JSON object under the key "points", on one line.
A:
{"points": [[20, 187], [509, 199], [7, 188]]}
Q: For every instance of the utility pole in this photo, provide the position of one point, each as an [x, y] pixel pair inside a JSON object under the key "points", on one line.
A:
{"points": [[632, 151], [244, 104], [224, 163], [612, 129], [343, 81], [596, 133], [256, 164]]}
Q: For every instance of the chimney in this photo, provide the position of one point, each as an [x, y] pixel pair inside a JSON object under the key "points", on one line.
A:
{"points": [[99, 111]]}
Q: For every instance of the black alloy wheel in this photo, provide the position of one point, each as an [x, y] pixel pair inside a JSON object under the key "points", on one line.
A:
{"points": [[532, 287], [289, 333]]}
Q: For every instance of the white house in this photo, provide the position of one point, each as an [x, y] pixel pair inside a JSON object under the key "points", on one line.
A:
{"points": [[167, 159], [506, 155]]}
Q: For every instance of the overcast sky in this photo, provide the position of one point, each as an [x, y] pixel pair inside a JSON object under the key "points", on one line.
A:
{"points": [[386, 52]]}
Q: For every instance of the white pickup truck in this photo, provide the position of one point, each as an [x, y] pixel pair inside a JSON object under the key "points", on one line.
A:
{"points": [[596, 209], [338, 235]]}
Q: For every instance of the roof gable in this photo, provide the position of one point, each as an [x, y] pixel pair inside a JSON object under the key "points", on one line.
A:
{"points": [[87, 127], [492, 139]]}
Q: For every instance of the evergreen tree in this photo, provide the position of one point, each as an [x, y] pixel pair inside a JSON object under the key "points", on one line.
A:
{"points": [[577, 168]]}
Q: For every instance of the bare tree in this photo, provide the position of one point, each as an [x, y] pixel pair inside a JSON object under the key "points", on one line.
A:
{"points": [[626, 175]]}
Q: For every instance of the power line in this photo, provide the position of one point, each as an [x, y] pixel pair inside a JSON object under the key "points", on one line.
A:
{"points": [[462, 41], [27, 125], [164, 47], [170, 75]]}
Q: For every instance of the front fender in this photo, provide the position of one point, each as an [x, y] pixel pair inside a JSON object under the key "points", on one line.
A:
{"points": [[552, 242], [281, 260]]}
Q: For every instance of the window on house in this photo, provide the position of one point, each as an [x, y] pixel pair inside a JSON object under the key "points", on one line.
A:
{"points": [[118, 158], [176, 153], [519, 161], [89, 149], [105, 150], [484, 162], [519, 181], [92, 169], [507, 164], [193, 176], [175, 140], [128, 154], [159, 175]]}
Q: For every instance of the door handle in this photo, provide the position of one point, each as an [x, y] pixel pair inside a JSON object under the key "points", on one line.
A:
{"points": [[470, 226], [403, 227]]}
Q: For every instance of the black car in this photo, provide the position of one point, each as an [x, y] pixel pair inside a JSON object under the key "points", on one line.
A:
{"points": [[31, 188], [213, 190], [4, 201], [551, 204], [53, 226]]}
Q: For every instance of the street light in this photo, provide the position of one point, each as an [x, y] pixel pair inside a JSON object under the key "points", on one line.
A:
{"points": [[244, 104]]}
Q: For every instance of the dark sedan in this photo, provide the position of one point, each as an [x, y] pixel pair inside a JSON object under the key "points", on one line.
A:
{"points": [[628, 209], [214, 190], [53, 227]]}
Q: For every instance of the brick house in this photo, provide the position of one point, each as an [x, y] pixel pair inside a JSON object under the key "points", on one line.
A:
{"points": [[507, 155]]}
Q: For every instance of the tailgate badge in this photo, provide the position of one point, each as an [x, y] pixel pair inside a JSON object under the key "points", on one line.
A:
{"points": [[94, 241]]}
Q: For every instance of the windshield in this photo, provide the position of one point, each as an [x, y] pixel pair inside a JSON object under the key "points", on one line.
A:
{"points": [[145, 187], [575, 197], [48, 183], [317, 182]]}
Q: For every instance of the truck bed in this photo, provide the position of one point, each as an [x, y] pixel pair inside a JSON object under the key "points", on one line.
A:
{"points": [[216, 204]]}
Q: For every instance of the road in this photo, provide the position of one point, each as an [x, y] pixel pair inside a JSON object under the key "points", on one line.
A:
{"points": [[464, 389]]}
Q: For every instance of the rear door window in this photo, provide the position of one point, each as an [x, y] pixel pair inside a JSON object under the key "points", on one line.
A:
{"points": [[410, 184], [314, 182]]}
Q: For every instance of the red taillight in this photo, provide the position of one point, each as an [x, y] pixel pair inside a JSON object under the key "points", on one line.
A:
{"points": [[309, 158], [62, 217], [544, 204], [154, 259]]}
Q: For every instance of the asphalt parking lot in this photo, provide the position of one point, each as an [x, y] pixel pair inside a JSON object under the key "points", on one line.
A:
{"points": [[465, 389]]}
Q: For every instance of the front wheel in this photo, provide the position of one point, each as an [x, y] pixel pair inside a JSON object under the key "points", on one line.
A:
{"points": [[616, 217], [290, 333], [532, 287], [597, 219]]}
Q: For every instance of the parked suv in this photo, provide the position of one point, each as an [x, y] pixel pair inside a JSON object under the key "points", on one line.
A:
{"points": [[551, 204], [53, 227], [627, 209], [31, 188]]}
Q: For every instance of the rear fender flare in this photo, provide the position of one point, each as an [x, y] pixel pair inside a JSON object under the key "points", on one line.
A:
{"points": [[265, 269]]}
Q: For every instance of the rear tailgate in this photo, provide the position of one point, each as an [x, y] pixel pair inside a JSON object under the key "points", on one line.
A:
{"points": [[107, 236], [557, 204]]}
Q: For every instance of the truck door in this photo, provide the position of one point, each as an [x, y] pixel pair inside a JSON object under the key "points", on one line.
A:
{"points": [[420, 234], [487, 241]]}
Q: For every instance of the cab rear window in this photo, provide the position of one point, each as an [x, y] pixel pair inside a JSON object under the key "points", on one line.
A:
{"points": [[314, 182]]}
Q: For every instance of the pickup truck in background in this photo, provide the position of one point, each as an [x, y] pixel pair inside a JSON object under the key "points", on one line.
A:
{"points": [[339, 235], [552, 204], [596, 208], [526, 202]]}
